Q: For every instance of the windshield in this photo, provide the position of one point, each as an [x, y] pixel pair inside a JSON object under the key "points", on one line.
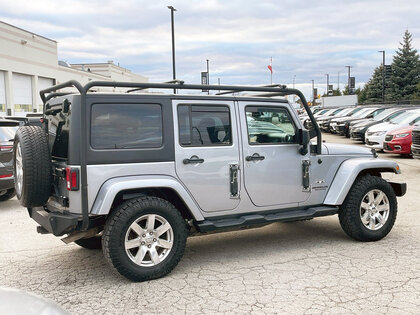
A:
{"points": [[345, 112], [404, 118], [360, 113], [354, 111], [384, 114]]}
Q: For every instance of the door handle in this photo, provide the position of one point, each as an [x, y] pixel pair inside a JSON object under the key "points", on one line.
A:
{"points": [[255, 157], [192, 160]]}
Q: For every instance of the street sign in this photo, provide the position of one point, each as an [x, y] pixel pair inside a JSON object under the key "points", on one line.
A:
{"points": [[204, 79], [352, 82]]}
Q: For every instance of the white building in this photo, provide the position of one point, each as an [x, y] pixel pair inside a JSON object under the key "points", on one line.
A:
{"points": [[29, 63]]}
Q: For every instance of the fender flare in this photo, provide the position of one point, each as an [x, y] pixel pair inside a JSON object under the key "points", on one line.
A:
{"points": [[348, 172], [112, 187]]}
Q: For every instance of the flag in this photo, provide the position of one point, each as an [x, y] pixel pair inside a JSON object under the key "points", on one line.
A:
{"points": [[270, 68]]}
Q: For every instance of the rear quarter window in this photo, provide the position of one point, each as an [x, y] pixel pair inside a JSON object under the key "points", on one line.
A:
{"points": [[126, 126]]}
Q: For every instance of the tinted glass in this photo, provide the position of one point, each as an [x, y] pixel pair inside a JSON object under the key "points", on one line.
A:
{"points": [[126, 126], [8, 133], [204, 125], [269, 126]]}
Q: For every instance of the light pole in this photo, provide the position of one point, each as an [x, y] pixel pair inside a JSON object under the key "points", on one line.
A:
{"points": [[383, 75], [348, 80], [208, 76], [313, 94], [173, 43], [338, 81], [328, 81]]}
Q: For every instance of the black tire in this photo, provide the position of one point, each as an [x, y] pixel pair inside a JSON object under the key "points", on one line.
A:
{"points": [[36, 166], [117, 225], [350, 215], [90, 243], [7, 194]]}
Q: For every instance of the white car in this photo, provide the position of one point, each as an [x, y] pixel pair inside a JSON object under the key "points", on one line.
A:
{"points": [[375, 135]]}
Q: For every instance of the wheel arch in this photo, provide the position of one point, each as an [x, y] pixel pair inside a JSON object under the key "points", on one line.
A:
{"points": [[117, 190], [350, 169]]}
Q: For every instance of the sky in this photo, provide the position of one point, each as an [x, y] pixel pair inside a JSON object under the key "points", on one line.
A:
{"points": [[306, 39]]}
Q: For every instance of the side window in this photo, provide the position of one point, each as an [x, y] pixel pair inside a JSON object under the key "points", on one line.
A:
{"points": [[204, 125], [126, 126], [269, 125]]}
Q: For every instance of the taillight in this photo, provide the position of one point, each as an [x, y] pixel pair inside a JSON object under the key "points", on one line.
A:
{"points": [[6, 175], [4, 148], [72, 178]]}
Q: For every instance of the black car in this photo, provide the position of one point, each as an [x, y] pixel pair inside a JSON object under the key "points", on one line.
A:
{"points": [[7, 133]]}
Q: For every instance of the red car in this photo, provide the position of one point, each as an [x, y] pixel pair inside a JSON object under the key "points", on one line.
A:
{"points": [[399, 141]]}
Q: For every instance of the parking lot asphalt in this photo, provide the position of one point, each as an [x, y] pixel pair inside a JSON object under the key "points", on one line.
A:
{"points": [[306, 267]]}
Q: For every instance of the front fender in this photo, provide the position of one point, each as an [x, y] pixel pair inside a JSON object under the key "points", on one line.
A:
{"points": [[347, 173], [112, 187]]}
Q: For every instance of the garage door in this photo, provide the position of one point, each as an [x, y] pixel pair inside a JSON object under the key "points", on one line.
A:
{"points": [[2, 93], [22, 94], [43, 83]]}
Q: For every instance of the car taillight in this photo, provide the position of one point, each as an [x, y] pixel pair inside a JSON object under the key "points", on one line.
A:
{"points": [[72, 178], [6, 175], [6, 148]]}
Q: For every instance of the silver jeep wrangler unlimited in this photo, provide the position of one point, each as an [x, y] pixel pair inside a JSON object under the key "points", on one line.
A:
{"points": [[136, 173]]}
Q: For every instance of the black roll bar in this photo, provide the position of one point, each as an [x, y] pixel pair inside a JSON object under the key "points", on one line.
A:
{"points": [[272, 90]]}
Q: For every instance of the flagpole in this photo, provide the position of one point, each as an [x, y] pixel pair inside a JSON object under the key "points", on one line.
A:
{"points": [[271, 64]]}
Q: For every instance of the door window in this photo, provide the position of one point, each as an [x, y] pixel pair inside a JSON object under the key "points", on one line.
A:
{"points": [[269, 125], [204, 125]]}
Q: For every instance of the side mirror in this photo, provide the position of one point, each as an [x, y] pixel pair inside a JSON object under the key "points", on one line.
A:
{"points": [[304, 137], [308, 124], [369, 116]]}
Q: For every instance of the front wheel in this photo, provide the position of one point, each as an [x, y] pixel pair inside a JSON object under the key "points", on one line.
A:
{"points": [[144, 238], [370, 209]]}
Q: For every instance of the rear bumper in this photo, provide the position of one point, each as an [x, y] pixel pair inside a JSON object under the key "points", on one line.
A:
{"points": [[59, 223], [7, 183]]}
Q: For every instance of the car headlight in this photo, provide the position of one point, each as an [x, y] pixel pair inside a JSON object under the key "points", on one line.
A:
{"points": [[378, 133], [401, 135]]}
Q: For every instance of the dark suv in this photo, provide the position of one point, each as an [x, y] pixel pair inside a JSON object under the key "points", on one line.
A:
{"points": [[8, 129]]}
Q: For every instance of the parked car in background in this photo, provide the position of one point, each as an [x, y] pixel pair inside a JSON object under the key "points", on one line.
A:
{"points": [[324, 122], [415, 146], [375, 135], [342, 125], [358, 130], [8, 129], [399, 141]]}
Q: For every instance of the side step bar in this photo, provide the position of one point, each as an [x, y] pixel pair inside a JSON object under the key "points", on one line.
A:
{"points": [[262, 219]]}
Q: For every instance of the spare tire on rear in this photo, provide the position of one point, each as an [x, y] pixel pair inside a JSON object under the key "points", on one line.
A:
{"points": [[32, 166]]}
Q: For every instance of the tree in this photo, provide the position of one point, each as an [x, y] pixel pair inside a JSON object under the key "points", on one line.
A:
{"points": [[405, 71], [374, 86]]}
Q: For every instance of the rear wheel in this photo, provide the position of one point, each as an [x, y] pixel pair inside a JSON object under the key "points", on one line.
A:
{"points": [[370, 209], [144, 238], [7, 194]]}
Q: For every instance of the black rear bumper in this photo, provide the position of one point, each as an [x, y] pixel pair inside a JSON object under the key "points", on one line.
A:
{"points": [[59, 223]]}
